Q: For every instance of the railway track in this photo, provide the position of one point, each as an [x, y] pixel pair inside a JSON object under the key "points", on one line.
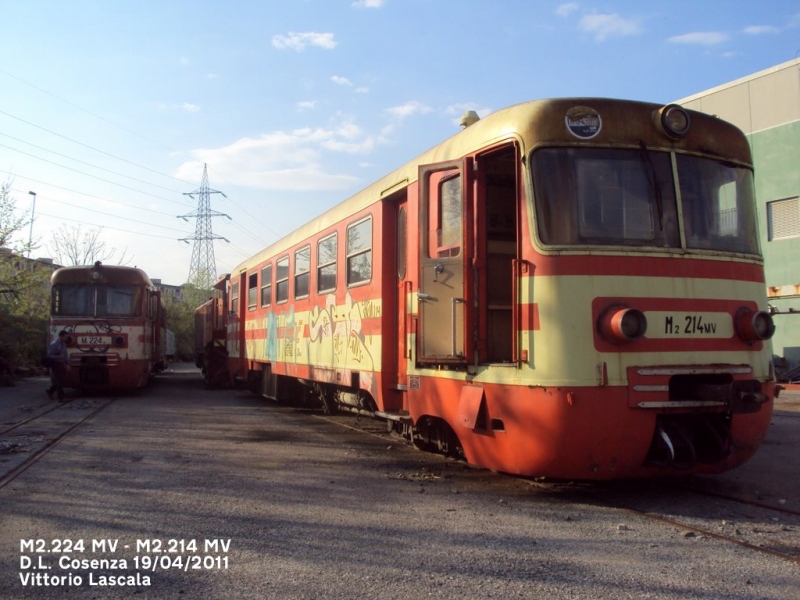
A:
{"points": [[757, 527], [695, 512], [26, 442]]}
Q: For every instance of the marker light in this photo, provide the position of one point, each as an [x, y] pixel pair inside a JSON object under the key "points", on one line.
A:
{"points": [[674, 121], [620, 324], [754, 326]]}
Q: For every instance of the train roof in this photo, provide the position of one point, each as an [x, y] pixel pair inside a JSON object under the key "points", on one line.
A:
{"points": [[107, 274], [528, 123]]}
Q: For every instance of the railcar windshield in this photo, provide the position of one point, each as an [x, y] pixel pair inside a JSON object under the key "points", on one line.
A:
{"points": [[628, 197], [81, 300]]}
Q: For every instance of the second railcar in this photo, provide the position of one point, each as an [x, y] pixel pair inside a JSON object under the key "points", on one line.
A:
{"points": [[117, 326]]}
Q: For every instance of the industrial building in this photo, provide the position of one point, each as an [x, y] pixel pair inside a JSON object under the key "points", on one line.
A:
{"points": [[766, 107]]}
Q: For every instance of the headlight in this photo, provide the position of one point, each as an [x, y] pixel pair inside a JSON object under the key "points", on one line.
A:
{"points": [[674, 121], [620, 324], [754, 326]]}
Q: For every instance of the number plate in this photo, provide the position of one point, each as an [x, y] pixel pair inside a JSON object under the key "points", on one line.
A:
{"points": [[93, 340], [662, 325]]}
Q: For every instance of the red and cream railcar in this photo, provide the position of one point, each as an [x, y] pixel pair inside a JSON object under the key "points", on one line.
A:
{"points": [[116, 321], [210, 335], [567, 288]]}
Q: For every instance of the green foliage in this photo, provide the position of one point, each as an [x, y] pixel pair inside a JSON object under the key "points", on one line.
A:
{"points": [[24, 295], [180, 319]]}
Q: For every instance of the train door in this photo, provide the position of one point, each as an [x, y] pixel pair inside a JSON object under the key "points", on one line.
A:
{"points": [[498, 268], [236, 324], [445, 278], [403, 290]]}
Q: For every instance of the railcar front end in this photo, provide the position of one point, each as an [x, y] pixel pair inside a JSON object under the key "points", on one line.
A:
{"points": [[116, 325], [639, 337]]}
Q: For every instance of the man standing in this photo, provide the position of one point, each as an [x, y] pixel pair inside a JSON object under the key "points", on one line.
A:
{"points": [[59, 363]]}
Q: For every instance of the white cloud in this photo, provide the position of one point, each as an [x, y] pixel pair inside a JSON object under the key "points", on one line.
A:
{"points": [[609, 25], [362, 90], [299, 41], [566, 10], [702, 38], [306, 105], [188, 107], [212, 76], [368, 3], [340, 80], [293, 160], [408, 109], [760, 29]]}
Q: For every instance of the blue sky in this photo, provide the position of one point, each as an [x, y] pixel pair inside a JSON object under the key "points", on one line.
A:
{"points": [[109, 109]]}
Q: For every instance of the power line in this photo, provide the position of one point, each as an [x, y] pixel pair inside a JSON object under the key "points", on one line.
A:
{"points": [[61, 218], [96, 116], [158, 212], [81, 162], [90, 147], [253, 217], [127, 187]]}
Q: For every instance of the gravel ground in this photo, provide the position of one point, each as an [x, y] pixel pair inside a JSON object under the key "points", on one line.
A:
{"points": [[314, 510]]}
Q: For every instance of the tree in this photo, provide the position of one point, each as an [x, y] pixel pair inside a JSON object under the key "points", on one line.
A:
{"points": [[24, 296], [12, 279], [180, 318], [72, 246]]}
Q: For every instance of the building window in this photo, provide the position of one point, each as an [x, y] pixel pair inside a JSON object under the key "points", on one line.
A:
{"points": [[252, 290], [266, 285], [326, 263], [783, 218], [302, 268], [282, 280], [359, 252]]}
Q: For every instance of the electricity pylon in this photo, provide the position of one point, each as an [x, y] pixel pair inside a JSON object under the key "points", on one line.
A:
{"points": [[203, 268]]}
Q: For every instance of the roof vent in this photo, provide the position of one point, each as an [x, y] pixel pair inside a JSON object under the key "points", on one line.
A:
{"points": [[468, 118]]}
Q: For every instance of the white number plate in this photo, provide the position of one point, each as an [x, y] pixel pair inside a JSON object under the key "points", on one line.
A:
{"points": [[662, 325], [93, 340]]}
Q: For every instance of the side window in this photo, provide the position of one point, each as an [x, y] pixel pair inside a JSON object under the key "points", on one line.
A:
{"points": [[326, 263], [266, 285], [401, 243], [234, 297], [302, 268], [449, 217], [252, 290], [282, 280], [359, 252]]}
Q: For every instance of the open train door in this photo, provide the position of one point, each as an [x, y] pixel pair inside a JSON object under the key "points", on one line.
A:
{"points": [[445, 293]]}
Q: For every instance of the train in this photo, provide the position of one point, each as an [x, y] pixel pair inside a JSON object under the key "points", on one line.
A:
{"points": [[567, 288], [116, 323]]}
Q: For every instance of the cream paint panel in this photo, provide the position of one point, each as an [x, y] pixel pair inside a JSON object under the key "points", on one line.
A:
{"points": [[330, 336], [562, 353], [563, 349]]}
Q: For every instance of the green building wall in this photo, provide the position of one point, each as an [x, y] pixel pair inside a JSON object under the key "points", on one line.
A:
{"points": [[776, 156]]}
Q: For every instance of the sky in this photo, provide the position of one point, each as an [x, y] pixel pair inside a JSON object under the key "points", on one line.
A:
{"points": [[110, 110]]}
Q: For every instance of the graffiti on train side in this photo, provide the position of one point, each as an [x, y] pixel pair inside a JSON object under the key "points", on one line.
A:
{"points": [[331, 335]]}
